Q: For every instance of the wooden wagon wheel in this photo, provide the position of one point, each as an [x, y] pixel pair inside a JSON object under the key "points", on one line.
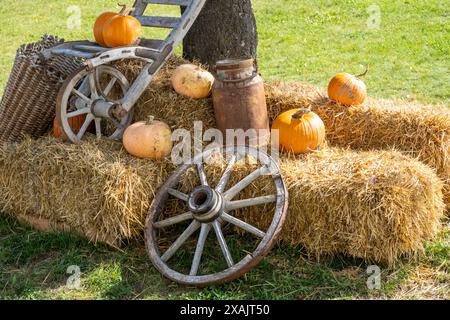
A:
{"points": [[79, 95], [209, 208]]}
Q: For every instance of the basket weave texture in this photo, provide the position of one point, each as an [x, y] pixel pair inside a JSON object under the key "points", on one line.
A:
{"points": [[28, 105]]}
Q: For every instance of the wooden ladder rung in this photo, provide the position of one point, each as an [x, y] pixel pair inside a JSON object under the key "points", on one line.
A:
{"points": [[151, 43], [183, 3], [159, 22]]}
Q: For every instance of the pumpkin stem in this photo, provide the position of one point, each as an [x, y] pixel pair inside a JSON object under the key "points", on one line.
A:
{"points": [[364, 73], [300, 113], [125, 11]]}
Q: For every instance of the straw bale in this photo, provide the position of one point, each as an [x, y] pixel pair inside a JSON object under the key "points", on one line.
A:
{"points": [[378, 206], [420, 131], [94, 187]]}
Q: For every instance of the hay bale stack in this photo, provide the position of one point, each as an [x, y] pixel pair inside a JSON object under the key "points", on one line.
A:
{"points": [[374, 205], [417, 130], [95, 188]]}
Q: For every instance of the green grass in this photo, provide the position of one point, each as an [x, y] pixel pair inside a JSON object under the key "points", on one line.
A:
{"points": [[307, 41], [312, 40], [34, 266]]}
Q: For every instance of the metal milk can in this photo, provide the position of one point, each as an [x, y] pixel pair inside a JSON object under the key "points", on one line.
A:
{"points": [[240, 102]]}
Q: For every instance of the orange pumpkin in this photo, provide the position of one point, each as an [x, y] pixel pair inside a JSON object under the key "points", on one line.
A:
{"points": [[347, 89], [300, 130], [75, 123], [99, 25], [122, 30], [148, 139]]}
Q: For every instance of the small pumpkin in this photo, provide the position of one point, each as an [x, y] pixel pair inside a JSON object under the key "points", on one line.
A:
{"points": [[192, 81], [149, 139], [348, 89], [122, 30], [100, 24], [300, 130], [75, 123]]}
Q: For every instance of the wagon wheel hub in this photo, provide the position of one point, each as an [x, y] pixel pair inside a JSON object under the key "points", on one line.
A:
{"points": [[105, 109], [206, 204]]}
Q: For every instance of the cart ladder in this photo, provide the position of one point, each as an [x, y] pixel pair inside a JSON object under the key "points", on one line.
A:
{"points": [[152, 50], [82, 92]]}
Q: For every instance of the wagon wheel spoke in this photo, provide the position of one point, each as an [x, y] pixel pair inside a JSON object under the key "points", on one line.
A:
{"points": [[110, 86], [243, 225], [180, 241], [204, 231], [80, 95], [117, 124], [223, 244], [233, 205], [178, 194], [202, 174], [226, 175], [173, 220], [78, 112], [85, 126], [98, 127], [92, 86], [241, 185]]}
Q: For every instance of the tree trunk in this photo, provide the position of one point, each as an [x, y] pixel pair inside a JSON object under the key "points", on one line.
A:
{"points": [[225, 29]]}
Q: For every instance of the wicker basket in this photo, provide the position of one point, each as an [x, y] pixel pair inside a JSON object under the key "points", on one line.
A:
{"points": [[29, 101]]}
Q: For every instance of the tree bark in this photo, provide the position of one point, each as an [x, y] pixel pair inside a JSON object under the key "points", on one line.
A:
{"points": [[225, 29]]}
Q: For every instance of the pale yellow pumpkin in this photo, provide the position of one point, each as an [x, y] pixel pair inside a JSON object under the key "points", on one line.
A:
{"points": [[148, 139], [192, 81]]}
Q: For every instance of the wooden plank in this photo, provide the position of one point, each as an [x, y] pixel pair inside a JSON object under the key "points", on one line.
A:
{"points": [[89, 48], [159, 22], [139, 8], [74, 53], [151, 43]]}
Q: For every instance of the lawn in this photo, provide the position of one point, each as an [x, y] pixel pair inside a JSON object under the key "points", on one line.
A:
{"points": [[406, 47], [407, 50]]}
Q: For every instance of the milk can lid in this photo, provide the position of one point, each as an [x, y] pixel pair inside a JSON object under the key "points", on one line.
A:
{"points": [[232, 64]]}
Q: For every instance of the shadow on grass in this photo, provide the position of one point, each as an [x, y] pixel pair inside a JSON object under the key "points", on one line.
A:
{"points": [[34, 266]]}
